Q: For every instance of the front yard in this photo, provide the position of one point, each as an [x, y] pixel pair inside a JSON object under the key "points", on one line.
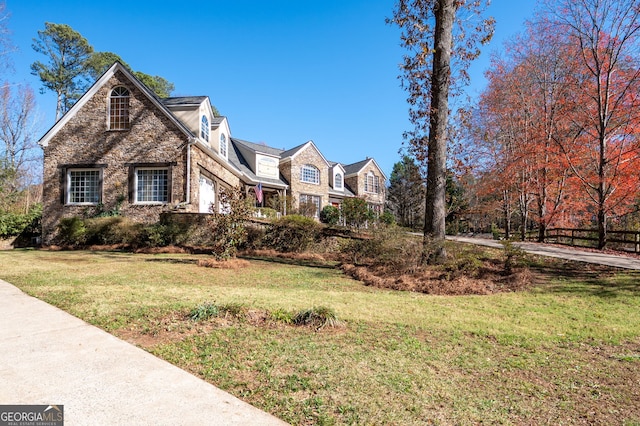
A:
{"points": [[566, 351]]}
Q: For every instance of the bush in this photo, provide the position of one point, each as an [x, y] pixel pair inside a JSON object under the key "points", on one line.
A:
{"points": [[330, 215], [14, 224], [387, 246], [254, 237], [387, 218], [356, 212], [72, 231], [112, 230], [157, 235], [292, 233], [229, 229]]}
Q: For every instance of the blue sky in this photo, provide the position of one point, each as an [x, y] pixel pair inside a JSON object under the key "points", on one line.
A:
{"points": [[282, 71]]}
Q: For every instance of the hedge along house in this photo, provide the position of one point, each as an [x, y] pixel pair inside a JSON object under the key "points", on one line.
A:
{"points": [[121, 148]]}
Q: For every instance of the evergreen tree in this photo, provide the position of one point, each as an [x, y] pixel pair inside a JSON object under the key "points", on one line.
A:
{"points": [[65, 72], [405, 195]]}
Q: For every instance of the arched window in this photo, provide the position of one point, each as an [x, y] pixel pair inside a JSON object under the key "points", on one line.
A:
{"points": [[204, 128], [119, 109], [372, 183], [223, 145], [310, 174], [337, 181]]}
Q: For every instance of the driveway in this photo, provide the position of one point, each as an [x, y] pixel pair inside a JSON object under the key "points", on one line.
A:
{"points": [[608, 259]]}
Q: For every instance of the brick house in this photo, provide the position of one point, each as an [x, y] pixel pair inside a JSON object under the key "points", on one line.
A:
{"points": [[121, 147]]}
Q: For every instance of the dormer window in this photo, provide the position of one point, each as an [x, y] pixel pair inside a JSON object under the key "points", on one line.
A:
{"points": [[119, 109], [204, 128], [223, 145], [310, 174], [372, 183], [337, 181]]}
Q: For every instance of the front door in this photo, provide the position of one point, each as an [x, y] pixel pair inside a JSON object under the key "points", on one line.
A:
{"points": [[207, 195]]}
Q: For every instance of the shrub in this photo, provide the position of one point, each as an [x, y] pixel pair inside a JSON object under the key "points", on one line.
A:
{"points": [[356, 212], [72, 231], [229, 229], [387, 218], [254, 237], [14, 224], [157, 235], [388, 246], [112, 230], [293, 233], [330, 215], [513, 256]]}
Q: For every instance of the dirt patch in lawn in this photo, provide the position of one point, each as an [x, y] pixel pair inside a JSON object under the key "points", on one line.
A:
{"points": [[491, 280]]}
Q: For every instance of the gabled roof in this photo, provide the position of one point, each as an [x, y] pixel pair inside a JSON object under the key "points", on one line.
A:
{"points": [[355, 168], [333, 164], [117, 66], [290, 154], [259, 148], [238, 160]]}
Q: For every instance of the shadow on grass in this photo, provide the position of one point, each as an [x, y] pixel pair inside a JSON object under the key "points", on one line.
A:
{"points": [[576, 278], [173, 260], [291, 261]]}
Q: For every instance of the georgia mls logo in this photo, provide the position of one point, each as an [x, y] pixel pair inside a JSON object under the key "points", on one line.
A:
{"points": [[31, 415]]}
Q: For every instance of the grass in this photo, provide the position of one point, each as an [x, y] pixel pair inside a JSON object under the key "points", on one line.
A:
{"points": [[565, 352]]}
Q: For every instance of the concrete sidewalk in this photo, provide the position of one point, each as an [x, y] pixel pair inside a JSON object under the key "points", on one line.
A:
{"points": [[50, 357], [608, 259]]}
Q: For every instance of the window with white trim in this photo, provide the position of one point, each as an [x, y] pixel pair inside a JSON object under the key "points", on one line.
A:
{"points": [[310, 174], [151, 185], [306, 199], [84, 186], [204, 128], [223, 145], [119, 108], [372, 183], [337, 181]]}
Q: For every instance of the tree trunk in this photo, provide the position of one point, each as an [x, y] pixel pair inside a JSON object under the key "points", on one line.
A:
{"points": [[602, 228], [435, 201]]}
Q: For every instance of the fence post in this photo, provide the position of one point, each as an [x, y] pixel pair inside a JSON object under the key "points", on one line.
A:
{"points": [[572, 237], [637, 245]]}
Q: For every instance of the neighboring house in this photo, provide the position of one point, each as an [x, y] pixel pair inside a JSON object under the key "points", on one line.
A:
{"points": [[121, 147]]}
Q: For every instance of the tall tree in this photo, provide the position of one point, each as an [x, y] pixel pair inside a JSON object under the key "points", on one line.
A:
{"points": [[64, 73], [18, 148], [405, 195], [603, 148], [442, 36]]}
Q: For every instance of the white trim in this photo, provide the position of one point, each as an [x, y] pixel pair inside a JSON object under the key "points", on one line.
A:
{"points": [[67, 186], [135, 186]]}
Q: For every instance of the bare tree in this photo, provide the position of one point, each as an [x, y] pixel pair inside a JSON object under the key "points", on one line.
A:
{"points": [[19, 151], [603, 147]]}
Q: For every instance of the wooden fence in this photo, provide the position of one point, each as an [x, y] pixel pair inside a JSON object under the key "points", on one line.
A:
{"points": [[618, 240]]}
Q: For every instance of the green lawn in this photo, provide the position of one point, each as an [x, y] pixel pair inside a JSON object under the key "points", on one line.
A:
{"points": [[565, 352]]}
